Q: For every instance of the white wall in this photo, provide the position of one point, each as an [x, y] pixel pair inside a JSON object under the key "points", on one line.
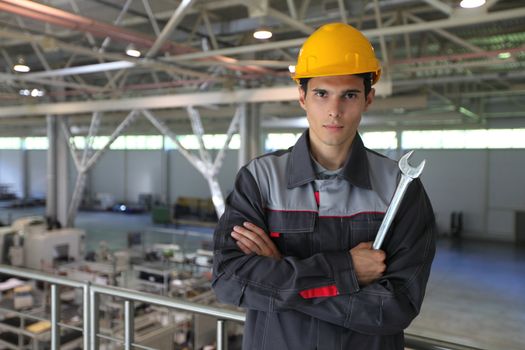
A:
{"points": [[37, 173], [143, 174], [126, 174], [456, 181], [11, 170], [506, 192], [486, 185], [107, 176]]}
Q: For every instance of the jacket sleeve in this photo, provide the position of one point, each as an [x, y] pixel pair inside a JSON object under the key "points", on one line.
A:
{"points": [[391, 303], [257, 282]]}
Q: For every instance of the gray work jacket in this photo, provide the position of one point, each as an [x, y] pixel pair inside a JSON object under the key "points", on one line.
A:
{"points": [[311, 298]]}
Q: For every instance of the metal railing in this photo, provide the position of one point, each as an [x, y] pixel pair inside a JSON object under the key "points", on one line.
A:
{"points": [[131, 295], [91, 296], [56, 281], [423, 343]]}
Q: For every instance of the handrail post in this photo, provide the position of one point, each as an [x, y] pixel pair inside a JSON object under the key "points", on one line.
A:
{"points": [[129, 316], [222, 343], [85, 317], [55, 317], [94, 323]]}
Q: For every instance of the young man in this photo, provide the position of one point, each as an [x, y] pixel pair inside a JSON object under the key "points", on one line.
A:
{"points": [[294, 246]]}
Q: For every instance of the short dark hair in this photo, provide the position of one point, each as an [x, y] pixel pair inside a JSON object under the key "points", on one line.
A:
{"points": [[367, 80]]}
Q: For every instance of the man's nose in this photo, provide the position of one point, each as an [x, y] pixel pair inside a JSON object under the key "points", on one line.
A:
{"points": [[334, 108]]}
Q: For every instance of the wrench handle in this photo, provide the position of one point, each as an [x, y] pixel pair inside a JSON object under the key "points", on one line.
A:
{"points": [[391, 211]]}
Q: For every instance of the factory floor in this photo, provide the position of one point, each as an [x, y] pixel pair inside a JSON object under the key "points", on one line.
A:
{"points": [[475, 295]]}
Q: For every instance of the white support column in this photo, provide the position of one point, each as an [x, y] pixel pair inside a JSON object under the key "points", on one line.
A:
{"points": [[165, 173], [249, 130], [243, 134], [57, 196], [62, 178], [88, 160], [210, 173], [25, 172], [51, 207]]}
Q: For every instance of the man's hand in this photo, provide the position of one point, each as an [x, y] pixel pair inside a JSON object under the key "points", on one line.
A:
{"points": [[369, 264], [252, 239]]}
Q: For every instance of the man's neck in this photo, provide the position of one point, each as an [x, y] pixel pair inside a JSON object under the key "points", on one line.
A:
{"points": [[330, 157]]}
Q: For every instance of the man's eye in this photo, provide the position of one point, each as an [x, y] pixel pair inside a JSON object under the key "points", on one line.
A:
{"points": [[350, 95], [320, 93]]}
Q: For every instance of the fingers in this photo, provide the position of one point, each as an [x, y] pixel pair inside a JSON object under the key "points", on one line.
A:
{"points": [[369, 264], [246, 243], [259, 232], [252, 239], [365, 245], [244, 248], [378, 254]]}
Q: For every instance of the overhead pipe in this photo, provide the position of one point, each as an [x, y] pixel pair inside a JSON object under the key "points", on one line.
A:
{"points": [[69, 20], [72, 21]]}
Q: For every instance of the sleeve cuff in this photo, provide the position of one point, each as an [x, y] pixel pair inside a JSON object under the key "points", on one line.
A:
{"points": [[343, 272]]}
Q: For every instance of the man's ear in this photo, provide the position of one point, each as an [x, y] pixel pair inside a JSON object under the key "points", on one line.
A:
{"points": [[370, 98], [302, 97]]}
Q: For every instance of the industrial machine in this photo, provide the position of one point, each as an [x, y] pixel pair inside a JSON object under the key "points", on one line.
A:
{"points": [[47, 248], [32, 242]]}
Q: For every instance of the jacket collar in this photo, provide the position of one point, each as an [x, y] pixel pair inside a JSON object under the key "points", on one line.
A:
{"points": [[301, 171]]}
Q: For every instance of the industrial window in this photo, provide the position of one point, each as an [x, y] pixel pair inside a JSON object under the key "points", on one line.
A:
{"points": [[276, 141], [141, 142], [36, 143], [464, 139], [10, 142], [210, 141], [119, 143], [380, 139]]}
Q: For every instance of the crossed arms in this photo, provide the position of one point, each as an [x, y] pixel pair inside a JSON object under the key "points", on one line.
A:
{"points": [[376, 292]]}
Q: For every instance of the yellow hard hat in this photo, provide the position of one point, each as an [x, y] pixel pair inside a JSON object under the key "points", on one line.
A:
{"points": [[336, 49]]}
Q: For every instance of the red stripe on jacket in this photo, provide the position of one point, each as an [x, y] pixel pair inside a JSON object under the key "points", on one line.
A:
{"points": [[319, 292], [317, 197]]}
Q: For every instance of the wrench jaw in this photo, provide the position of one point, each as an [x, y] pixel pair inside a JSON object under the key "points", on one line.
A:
{"points": [[407, 169]]}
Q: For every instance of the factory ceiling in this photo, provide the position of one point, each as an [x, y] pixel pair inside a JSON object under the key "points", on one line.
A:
{"points": [[444, 66]]}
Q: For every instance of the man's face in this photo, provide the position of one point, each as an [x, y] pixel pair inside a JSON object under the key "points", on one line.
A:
{"points": [[333, 108]]}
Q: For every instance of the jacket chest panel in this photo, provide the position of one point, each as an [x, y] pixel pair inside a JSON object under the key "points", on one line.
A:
{"points": [[346, 216]]}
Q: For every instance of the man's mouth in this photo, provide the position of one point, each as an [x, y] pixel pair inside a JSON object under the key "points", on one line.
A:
{"points": [[333, 126]]}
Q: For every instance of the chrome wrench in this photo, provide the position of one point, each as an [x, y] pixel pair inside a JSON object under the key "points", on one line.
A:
{"points": [[408, 173]]}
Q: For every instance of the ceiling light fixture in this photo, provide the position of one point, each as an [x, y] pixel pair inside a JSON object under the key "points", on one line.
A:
{"points": [[262, 34], [132, 51], [21, 66], [37, 93], [32, 93], [470, 4]]}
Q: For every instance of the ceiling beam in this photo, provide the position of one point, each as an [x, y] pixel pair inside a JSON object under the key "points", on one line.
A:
{"points": [[174, 21], [50, 43], [456, 21], [441, 6], [447, 35], [59, 83], [287, 93], [290, 21], [87, 69], [274, 94]]}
